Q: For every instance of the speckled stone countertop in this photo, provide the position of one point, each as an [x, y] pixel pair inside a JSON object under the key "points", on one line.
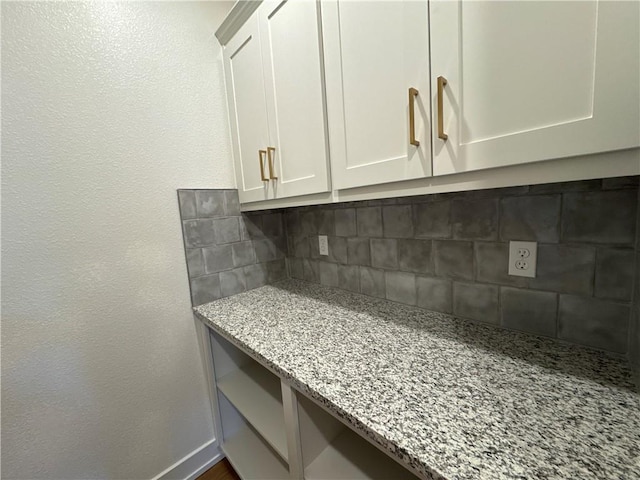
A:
{"points": [[450, 398]]}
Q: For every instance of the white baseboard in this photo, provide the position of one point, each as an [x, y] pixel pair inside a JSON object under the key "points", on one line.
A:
{"points": [[194, 464]]}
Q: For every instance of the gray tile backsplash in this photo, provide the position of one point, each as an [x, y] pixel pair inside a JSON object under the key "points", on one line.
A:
{"points": [[565, 269], [210, 203], [492, 264], [397, 221], [605, 217], [384, 253], [476, 301], [431, 220], [453, 259], [349, 277], [594, 322], [198, 232], [372, 282], [530, 217], [228, 252], [187, 204], [434, 294], [449, 253], [614, 273], [400, 287], [414, 255], [529, 310], [345, 219], [443, 252], [328, 274], [217, 258], [474, 219], [368, 220]]}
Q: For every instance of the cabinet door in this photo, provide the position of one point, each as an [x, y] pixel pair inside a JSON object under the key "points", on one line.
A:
{"points": [[529, 81], [291, 52], [375, 51], [247, 111]]}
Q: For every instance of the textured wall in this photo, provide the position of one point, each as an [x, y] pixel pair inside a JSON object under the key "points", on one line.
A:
{"points": [[449, 252], [107, 109], [226, 252]]}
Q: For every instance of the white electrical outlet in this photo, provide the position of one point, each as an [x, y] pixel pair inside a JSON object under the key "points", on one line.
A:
{"points": [[323, 245], [522, 259]]}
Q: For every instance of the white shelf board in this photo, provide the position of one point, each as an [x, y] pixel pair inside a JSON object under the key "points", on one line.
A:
{"points": [[255, 393], [252, 459], [350, 457]]}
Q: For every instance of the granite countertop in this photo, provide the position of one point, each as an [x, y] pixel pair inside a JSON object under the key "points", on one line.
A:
{"points": [[451, 398]]}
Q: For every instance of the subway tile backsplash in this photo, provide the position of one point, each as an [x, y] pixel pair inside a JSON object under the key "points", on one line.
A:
{"points": [[449, 253], [228, 252]]}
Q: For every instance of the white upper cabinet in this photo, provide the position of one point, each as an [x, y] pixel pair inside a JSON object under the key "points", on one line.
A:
{"points": [[529, 81], [376, 53], [387, 91], [292, 57], [273, 68], [248, 112]]}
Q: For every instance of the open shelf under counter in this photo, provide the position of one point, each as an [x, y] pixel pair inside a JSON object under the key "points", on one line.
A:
{"points": [[255, 393], [350, 457], [252, 458], [332, 451]]}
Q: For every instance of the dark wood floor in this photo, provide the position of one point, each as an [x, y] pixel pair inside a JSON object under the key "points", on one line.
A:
{"points": [[220, 471]]}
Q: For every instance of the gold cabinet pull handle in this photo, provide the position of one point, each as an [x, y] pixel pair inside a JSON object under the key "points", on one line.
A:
{"points": [[441, 83], [261, 161], [270, 150], [413, 93]]}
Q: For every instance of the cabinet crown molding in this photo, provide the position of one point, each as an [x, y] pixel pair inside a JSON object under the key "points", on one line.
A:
{"points": [[237, 16]]}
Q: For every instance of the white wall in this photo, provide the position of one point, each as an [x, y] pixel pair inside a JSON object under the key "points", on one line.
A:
{"points": [[107, 109]]}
